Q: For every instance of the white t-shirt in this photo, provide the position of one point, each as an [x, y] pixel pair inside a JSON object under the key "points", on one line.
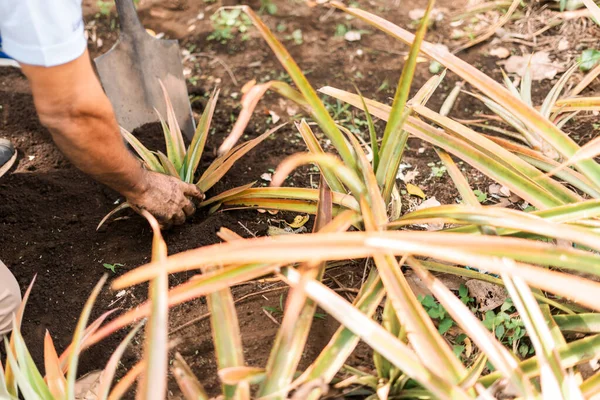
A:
{"points": [[42, 32]]}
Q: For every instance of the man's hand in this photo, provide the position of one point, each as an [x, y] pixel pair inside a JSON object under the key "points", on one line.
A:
{"points": [[165, 197]]}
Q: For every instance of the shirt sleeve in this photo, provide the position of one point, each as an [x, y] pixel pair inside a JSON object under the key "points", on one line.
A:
{"points": [[42, 32]]}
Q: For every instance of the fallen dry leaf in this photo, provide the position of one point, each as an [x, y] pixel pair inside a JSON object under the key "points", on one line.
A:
{"points": [[275, 231], [487, 295], [266, 177], [299, 220], [430, 203], [499, 190], [411, 175], [415, 190], [500, 52], [419, 288], [563, 44], [541, 67], [86, 387], [274, 116], [408, 176]]}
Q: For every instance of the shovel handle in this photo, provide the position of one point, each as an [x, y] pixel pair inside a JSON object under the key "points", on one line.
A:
{"points": [[128, 18]]}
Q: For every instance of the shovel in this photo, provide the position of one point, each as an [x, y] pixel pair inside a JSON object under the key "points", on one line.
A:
{"points": [[131, 70]]}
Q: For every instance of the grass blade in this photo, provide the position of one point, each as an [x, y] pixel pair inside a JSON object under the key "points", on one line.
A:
{"points": [[319, 112], [394, 136], [115, 210], [55, 379], [314, 147], [196, 149], [286, 193], [23, 381], [153, 382], [167, 165], [546, 164], [146, 155], [252, 94], [372, 132], [173, 136], [299, 312], [590, 150], [475, 251], [501, 217], [574, 353], [227, 338], [325, 162], [76, 343], [9, 378], [343, 342], [28, 368], [580, 323], [591, 386], [111, 366], [553, 376], [487, 157], [594, 10], [223, 164], [125, 383], [191, 388]]}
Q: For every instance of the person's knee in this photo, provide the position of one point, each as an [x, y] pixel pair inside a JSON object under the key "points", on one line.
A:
{"points": [[10, 299]]}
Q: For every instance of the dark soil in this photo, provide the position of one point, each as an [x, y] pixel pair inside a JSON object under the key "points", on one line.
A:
{"points": [[49, 210]]}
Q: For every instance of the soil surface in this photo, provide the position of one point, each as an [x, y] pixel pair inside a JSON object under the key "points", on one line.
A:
{"points": [[49, 210]]}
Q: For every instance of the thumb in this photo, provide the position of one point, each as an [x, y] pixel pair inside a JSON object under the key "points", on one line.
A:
{"points": [[192, 190]]}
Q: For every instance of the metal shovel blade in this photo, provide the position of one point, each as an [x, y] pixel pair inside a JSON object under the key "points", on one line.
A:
{"points": [[131, 70]]}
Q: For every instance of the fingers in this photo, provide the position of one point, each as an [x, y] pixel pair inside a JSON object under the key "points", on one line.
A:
{"points": [[190, 208], [165, 226], [170, 200], [192, 191], [178, 218], [164, 221]]}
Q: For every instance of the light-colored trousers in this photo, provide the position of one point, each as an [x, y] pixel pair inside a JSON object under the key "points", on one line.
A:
{"points": [[10, 299]]}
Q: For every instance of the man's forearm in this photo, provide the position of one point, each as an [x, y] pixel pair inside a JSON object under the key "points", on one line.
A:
{"points": [[92, 142], [72, 105]]}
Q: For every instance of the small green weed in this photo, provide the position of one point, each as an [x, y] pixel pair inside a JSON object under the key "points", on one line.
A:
{"points": [[384, 86], [436, 311], [112, 267], [481, 196], [508, 328], [104, 7], [341, 29], [228, 24], [437, 171], [588, 59], [267, 6], [343, 115], [296, 36]]}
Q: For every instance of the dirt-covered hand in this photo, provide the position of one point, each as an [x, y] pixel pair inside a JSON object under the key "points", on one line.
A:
{"points": [[167, 198]]}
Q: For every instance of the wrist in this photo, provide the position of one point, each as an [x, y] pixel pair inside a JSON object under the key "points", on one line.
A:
{"points": [[138, 183]]}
